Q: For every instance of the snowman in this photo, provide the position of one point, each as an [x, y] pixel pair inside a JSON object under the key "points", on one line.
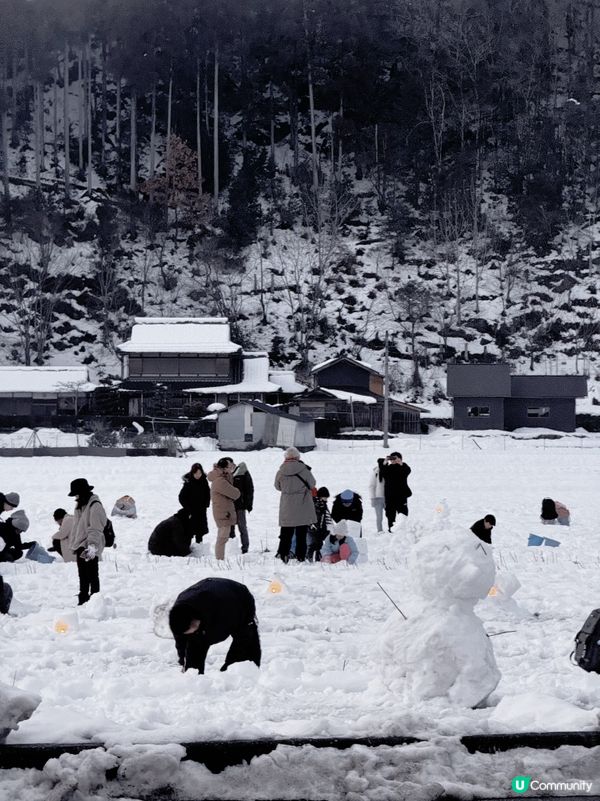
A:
{"points": [[443, 651]]}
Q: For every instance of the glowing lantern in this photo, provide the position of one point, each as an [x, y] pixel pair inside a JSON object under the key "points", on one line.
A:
{"points": [[66, 624], [275, 586], [493, 591]]}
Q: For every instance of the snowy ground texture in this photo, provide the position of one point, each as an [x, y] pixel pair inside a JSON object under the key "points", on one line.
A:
{"points": [[111, 680]]}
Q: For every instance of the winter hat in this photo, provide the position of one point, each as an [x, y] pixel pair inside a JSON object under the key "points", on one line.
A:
{"points": [[180, 618], [12, 498], [340, 529], [80, 486], [347, 496], [19, 520]]}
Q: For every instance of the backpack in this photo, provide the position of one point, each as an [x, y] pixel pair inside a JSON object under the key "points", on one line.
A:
{"points": [[587, 644], [108, 531]]}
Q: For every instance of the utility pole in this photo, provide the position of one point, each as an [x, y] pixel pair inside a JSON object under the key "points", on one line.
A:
{"points": [[386, 394]]}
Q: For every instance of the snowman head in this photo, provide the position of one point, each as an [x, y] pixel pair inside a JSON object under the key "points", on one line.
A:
{"points": [[452, 566]]}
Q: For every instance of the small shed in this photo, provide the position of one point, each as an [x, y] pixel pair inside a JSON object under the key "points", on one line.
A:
{"points": [[250, 425]]}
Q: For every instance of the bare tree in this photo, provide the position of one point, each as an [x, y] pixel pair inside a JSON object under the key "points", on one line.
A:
{"points": [[410, 304]]}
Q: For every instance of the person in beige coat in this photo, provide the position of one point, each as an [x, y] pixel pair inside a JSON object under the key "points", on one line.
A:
{"points": [[295, 482], [222, 497], [87, 537], [61, 541]]}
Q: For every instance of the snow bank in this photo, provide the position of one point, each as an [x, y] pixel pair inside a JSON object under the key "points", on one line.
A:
{"points": [[15, 706]]}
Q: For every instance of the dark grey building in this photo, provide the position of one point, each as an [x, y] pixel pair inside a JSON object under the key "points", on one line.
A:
{"points": [[488, 396]]}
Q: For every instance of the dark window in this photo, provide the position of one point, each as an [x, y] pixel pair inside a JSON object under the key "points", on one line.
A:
{"points": [[135, 365], [247, 437], [222, 367], [538, 411], [478, 411]]}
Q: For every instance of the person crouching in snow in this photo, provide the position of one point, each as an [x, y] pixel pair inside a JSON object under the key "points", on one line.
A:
{"points": [[209, 612], [223, 496], [554, 512], [483, 528], [9, 501], [11, 546], [61, 541], [171, 537], [339, 546], [347, 506], [87, 537]]}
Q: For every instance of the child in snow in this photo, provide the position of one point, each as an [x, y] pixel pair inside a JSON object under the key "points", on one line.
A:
{"points": [[554, 512], [61, 541], [209, 612], [483, 528], [339, 546], [319, 530]]}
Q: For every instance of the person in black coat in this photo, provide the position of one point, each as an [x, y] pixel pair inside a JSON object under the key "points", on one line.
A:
{"points": [[171, 537], [209, 612], [347, 506], [483, 528], [194, 497], [10, 537], [243, 481], [395, 473]]}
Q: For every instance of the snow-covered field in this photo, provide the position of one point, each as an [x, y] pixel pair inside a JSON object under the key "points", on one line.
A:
{"points": [[111, 680]]}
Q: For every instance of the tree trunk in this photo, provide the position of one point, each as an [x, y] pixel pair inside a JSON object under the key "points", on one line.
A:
{"points": [[14, 139], [198, 128], [169, 112], [340, 153], [272, 125], [36, 124], [89, 116], [42, 128], [104, 121], [66, 130], [4, 134], [216, 130], [80, 109], [153, 132], [206, 116], [311, 105], [133, 143], [55, 122]]}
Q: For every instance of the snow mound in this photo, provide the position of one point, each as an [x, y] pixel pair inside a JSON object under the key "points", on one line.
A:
{"points": [[538, 712], [15, 706]]}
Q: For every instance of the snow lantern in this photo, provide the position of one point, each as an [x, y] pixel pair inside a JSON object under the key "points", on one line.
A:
{"points": [[441, 514], [275, 586], [66, 623]]}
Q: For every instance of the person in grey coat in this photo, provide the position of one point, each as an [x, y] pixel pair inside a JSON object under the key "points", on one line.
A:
{"points": [[295, 482]]}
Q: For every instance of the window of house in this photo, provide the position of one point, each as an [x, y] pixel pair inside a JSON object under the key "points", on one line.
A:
{"points": [[478, 411], [538, 411], [135, 365]]}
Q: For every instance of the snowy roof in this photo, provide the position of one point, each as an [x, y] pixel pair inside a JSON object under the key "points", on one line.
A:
{"points": [[349, 397], [286, 379], [318, 367], [57, 380], [256, 378], [180, 335]]}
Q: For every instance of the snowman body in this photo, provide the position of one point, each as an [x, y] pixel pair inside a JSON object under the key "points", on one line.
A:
{"points": [[443, 651]]}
